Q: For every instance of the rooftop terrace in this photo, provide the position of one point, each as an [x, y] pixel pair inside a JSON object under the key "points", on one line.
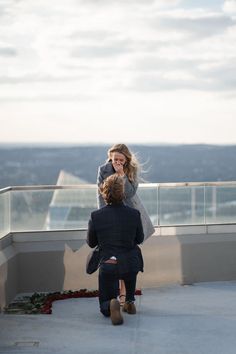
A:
{"points": [[188, 302]]}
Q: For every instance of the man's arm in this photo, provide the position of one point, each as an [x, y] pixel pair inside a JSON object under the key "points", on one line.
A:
{"points": [[139, 232], [91, 235]]}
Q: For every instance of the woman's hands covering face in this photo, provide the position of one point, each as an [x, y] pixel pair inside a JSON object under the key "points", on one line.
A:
{"points": [[118, 162]]}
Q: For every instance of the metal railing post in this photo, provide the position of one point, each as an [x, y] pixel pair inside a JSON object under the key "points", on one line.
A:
{"points": [[158, 205], [204, 204]]}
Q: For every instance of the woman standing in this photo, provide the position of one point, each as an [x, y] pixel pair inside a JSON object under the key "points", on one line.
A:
{"points": [[124, 163]]}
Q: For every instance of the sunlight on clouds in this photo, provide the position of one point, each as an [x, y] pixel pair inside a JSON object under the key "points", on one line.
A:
{"points": [[178, 75], [152, 61], [230, 6]]}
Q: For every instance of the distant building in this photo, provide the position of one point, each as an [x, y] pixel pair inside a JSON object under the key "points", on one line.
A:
{"points": [[70, 208]]}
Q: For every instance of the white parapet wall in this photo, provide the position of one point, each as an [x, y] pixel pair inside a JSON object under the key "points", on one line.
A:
{"points": [[55, 261]]}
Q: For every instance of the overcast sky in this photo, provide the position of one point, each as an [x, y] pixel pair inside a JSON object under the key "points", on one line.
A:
{"points": [[134, 71]]}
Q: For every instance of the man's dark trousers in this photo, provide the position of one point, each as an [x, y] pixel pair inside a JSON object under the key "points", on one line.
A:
{"points": [[109, 286]]}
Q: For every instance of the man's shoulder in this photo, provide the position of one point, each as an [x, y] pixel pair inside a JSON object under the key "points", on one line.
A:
{"points": [[97, 212], [131, 210]]}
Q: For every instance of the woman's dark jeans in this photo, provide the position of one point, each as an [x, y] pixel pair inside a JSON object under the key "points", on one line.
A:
{"points": [[109, 286]]}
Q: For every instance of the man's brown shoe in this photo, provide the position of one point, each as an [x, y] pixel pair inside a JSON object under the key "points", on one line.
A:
{"points": [[130, 308], [116, 317]]}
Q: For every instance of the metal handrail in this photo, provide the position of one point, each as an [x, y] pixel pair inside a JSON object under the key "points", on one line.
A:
{"points": [[92, 186], [4, 190]]}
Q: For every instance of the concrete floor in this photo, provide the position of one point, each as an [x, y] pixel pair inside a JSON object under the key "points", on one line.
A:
{"points": [[174, 319]]}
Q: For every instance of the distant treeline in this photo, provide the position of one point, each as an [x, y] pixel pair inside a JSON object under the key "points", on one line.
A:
{"points": [[161, 163]]}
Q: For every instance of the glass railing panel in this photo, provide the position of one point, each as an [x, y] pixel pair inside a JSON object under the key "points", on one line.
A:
{"points": [[38, 210], [220, 204], [148, 196], [70, 207], [29, 209], [181, 205], [4, 214]]}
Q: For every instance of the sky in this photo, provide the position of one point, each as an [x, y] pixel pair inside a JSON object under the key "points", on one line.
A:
{"points": [[109, 71]]}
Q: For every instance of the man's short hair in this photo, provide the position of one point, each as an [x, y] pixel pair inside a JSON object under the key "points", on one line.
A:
{"points": [[112, 189]]}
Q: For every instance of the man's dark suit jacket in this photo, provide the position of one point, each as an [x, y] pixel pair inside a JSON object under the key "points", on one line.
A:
{"points": [[117, 230]]}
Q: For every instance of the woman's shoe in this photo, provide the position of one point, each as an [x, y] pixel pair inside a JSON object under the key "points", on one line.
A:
{"points": [[130, 308]]}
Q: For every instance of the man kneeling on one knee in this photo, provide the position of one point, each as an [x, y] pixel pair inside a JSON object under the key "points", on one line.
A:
{"points": [[117, 230]]}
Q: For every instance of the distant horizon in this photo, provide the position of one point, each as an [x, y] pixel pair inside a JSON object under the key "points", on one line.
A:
{"points": [[85, 144], [41, 164]]}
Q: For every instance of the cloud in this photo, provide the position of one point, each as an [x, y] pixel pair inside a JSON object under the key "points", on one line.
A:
{"points": [[92, 35], [5, 7], [193, 24], [156, 3], [112, 48], [222, 76], [229, 6], [47, 98], [38, 79], [210, 76], [8, 52], [139, 45]]}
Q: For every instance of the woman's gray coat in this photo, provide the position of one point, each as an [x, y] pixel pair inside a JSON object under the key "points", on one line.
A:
{"points": [[131, 198]]}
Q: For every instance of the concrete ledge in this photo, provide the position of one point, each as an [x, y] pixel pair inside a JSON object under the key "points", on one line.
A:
{"points": [[215, 229], [5, 241], [8, 275], [47, 246], [39, 236], [209, 257], [55, 261], [183, 230]]}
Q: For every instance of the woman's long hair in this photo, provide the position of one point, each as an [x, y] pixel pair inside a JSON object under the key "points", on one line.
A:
{"points": [[131, 167]]}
